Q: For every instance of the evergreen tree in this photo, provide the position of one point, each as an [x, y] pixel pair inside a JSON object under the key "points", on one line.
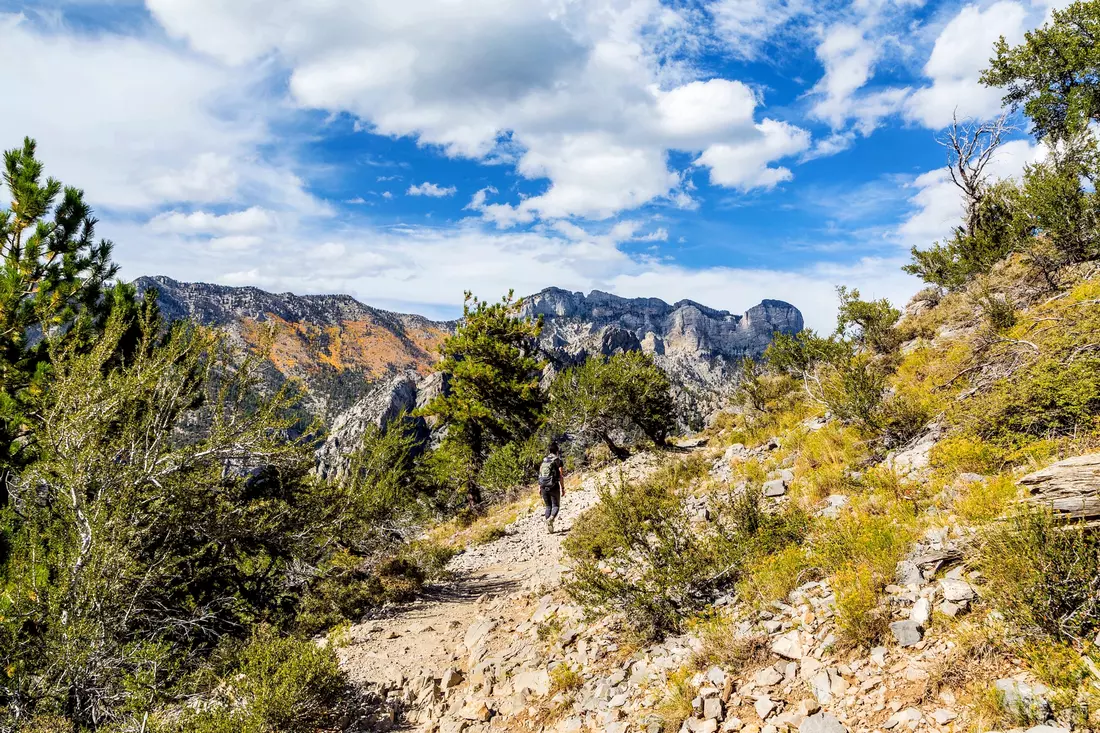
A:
{"points": [[1054, 75], [626, 393], [53, 277], [494, 396]]}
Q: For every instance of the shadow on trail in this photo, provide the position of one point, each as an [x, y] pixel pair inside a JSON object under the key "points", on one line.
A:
{"points": [[465, 589]]}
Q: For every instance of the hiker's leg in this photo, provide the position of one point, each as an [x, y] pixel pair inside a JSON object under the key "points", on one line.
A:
{"points": [[555, 502], [546, 500]]}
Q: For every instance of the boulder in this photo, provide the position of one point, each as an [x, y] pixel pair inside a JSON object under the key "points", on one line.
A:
{"points": [[764, 707], [788, 646], [907, 633], [1027, 700], [775, 488], [956, 591], [712, 709], [921, 612], [1070, 487], [821, 723]]}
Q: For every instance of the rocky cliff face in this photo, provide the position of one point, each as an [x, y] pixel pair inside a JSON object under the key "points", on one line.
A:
{"points": [[698, 346], [362, 365], [337, 346]]}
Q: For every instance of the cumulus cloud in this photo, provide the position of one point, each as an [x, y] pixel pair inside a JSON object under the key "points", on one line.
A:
{"points": [[140, 124], [588, 97], [938, 203], [431, 189], [251, 220], [426, 269], [961, 52]]}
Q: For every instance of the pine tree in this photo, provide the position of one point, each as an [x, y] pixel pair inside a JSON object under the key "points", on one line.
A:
{"points": [[53, 278], [494, 396]]}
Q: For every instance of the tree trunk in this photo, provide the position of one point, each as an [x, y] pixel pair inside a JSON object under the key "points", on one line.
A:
{"points": [[616, 451]]}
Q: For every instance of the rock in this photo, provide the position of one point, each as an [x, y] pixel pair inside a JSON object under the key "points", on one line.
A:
{"points": [[571, 725], [618, 700], [717, 676], [834, 503], [1027, 700], [764, 707], [731, 725], [788, 646], [712, 709], [909, 715], [949, 609], [878, 656], [536, 681], [956, 590], [1070, 487], [775, 488], [921, 612], [914, 458], [821, 685], [768, 677], [1047, 729], [695, 725], [943, 716], [451, 678], [382, 403], [821, 723], [907, 633], [476, 710], [909, 573], [478, 630]]}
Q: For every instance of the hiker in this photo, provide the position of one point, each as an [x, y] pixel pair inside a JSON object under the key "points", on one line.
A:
{"points": [[552, 484]]}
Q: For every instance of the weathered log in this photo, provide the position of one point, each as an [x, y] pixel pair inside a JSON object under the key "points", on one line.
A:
{"points": [[1070, 487]]}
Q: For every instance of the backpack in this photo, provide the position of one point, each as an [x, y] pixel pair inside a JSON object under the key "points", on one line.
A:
{"points": [[547, 479]]}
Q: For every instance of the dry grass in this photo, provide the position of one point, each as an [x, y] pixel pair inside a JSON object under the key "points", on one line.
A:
{"points": [[723, 648]]}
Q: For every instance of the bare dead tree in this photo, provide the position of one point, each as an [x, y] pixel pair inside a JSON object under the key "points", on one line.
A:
{"points": [[971, 147]]}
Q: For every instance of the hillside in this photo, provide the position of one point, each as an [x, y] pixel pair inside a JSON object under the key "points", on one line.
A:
{"points": [[787, 570], [334, 344], [360, 363]]}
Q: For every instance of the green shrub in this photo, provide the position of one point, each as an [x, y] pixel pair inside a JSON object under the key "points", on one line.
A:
{"points": [[565, 678], [1042, 574], [510, 466], [1053, 396], [270, 683], [636, 551]]}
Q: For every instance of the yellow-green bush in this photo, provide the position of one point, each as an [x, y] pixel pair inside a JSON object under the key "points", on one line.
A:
{"points": [[1042, 574], [270, 683], [565, 678], [860, 617], [982, 501]]}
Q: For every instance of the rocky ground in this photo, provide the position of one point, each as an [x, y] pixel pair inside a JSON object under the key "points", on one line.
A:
{"points": [[430, 645], [502, 648]]}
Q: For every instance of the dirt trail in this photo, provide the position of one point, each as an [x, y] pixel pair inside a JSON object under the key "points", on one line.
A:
{"points": [[429, 635]]}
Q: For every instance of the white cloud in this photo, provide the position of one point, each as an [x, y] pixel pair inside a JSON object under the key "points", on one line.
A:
{"points": [[746, 26], [961, 52], [744, 167], [938, 203], [589, 97], [139, 124], [254, 219], [426, 269], [849, 52], [431, 189]]}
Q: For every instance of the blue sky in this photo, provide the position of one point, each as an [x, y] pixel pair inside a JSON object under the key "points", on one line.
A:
{"points": [[720, 150]]}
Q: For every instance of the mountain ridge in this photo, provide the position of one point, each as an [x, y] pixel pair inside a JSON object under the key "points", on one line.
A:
{"points": [[343, 349]]}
